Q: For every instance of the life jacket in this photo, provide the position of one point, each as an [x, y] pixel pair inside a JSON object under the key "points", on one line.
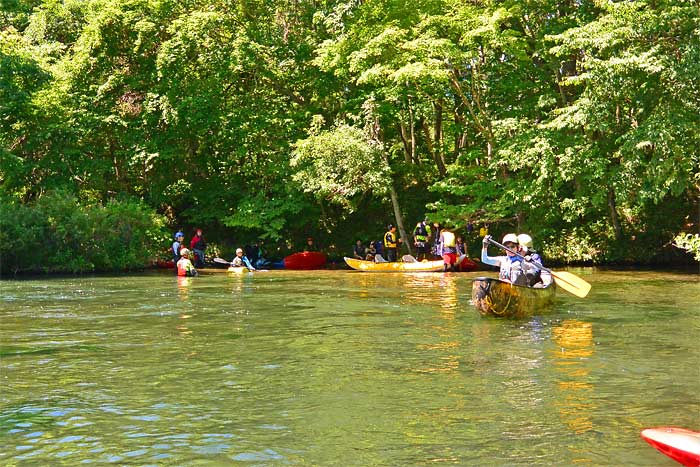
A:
{"points": [[511, 270], [421, 233], [448, 239], [184, 267], [389, 240]]}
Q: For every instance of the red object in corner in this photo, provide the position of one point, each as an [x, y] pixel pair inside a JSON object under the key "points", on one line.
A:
{"points": [[306, 260], [679, 444]]}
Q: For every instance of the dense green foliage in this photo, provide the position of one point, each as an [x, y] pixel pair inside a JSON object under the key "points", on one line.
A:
{"points": [[576, 121], [689, 242], [58, 234]]}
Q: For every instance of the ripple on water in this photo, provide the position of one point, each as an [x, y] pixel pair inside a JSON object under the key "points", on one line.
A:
{"points": [[260, 456], [390, 370]]}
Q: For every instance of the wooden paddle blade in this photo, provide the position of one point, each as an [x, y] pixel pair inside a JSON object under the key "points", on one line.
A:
{"points": [[571, 283]]}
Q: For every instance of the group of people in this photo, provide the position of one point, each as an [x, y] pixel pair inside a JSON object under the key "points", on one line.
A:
{"points": [[368, 253], [521, 265], [181, 255], [429, 241], [377, 249]]}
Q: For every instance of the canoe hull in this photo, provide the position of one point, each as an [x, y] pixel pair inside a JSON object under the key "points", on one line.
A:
{"points": [[495, 297], [371, 266], [679, 444], [305, 261], [237, 270]]}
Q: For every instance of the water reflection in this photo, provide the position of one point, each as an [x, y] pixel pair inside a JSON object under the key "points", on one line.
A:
{"points": [[307, 368], [424, 288], [183, 287], [443, 351], [574, 339]]}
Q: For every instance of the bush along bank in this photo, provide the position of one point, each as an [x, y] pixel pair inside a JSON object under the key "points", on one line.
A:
{"points": [[60, 234]]}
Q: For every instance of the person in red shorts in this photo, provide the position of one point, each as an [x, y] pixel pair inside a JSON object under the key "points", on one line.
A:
{"points": [[448, 247]]}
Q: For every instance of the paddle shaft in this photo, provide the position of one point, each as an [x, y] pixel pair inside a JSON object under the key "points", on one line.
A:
{"points": [[540, 267]]}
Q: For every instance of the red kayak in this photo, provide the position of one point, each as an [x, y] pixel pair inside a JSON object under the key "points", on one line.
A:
{"points": [[306, 260], [165, 264], [679, 444], [466, 264]]}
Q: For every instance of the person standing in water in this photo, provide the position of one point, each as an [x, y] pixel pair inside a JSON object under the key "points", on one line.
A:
{"points": [[184, 265]]}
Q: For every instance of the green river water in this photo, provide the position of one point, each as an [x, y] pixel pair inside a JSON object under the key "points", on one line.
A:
{"points": [[341, 368]]}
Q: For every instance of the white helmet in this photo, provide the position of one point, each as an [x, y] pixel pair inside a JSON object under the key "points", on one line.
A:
{"points": [[512, 238], [239, 250], [525, 240]]}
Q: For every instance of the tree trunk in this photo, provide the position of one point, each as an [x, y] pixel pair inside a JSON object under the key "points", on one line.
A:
{"points": [[614, 217], [399, 218], [431, 148], [397, 210], [406, 146], [437, 132], [413, 133]]}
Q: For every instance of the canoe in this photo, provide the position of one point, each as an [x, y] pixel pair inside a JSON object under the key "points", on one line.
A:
{"points": [[500, 298], [305, 260], [238, 270], [679, 444], [398, 266]]}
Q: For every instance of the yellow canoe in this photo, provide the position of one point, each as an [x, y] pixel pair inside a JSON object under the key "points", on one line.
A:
{"points": [[238, 270], [371, 266]]}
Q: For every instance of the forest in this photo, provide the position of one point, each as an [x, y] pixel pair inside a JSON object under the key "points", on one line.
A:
{"points": [[122, 121]]}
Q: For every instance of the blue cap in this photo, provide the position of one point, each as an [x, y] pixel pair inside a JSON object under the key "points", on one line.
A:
{"points": [[179, 234]]}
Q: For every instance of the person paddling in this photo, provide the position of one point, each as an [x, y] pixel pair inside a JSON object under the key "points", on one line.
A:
{"points": [[536, 277], [511, 267], [241, 261]]}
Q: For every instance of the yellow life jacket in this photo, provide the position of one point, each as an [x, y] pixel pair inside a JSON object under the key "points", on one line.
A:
{"points": [[389, 240], [421, 233], [448, 239]]}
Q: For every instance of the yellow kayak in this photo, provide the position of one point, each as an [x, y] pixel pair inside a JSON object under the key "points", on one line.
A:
{"points": [[238, 270], [398, 266]]}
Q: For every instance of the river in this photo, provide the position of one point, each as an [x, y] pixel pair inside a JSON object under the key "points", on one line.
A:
{"points": [[340, 368]]}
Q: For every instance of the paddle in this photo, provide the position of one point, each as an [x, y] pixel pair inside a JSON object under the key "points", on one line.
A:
{"points": [[566, 280], [223, 261]]}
